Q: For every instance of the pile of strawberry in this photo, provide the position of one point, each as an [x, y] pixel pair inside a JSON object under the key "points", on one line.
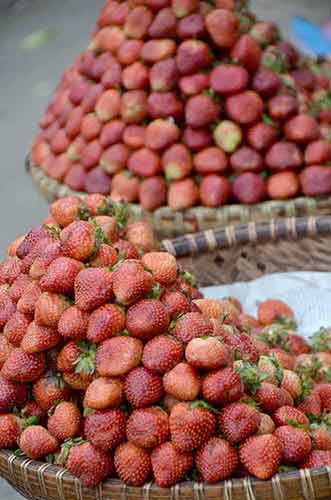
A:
{"points": [[184, 103], [114, 365]]}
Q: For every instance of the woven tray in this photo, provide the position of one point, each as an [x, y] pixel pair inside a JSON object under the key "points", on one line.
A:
{"points": [[223, 256], [168, 223]]}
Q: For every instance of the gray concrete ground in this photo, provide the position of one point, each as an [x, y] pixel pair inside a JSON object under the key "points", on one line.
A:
{"points": [[27, 78]]}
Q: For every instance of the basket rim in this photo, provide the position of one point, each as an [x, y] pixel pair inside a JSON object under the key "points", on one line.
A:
{"points": [[248, 484]]}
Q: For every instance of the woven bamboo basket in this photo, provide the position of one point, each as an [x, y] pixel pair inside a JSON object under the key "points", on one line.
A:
{"points": [[235, 253], [168, 223]]}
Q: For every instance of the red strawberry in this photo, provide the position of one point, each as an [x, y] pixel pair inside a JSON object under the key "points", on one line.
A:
{"points": [[148, 427], [169, 465], [96, 204], [18, 287], [7, 307], [126, 249], [105, 256], [141, 234], [291, 382], [66, 210], [104, 322], [65, 422], [132, 464], [73, 324], [176, 303], [36, 442], [60, 276], [162, 353], [30, 240], [23, 367], [183, 194], [216, 460], [142, 387], [27, 302], [270, 397], [31, 409], [68, 356], [182, 382], [267, 425], [162, 265], [192, 325], [78, 240], [109, 226], [272, 310], [323, 389], [89, 464], [93, 288], [5, 349], [311, 404], [191, 425], [49, 389], [16, 327], [9, 431], [10, 269], [238, 421], [146, 319], [104, 393], [320, 435], [285, 359], [243, 345], [208, 353], [105, 429], [40, 264], [222, 387], [261, 455], [118, 355], [317, 458], [296, 443], [287, 415], [49, 308], [131, 282], [39, 338], [11, 394]]}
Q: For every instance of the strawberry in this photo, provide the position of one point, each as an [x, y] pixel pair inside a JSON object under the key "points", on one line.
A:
{"points": [[96, 204], [269, 397], [320, 435], [31, 409], [287, 415], [297, 345], [162, 353], [105, 256], [316, 459], [13, 246], [118, 355], [104, 322], [10, 269], [208, 353], [272, 310], [292, 383], [323, 389], [222, 387], [68, 357], [146, 319], [131, 282], [222, 310], [243, 346], [38, 249], [216, 460], [143, 387], [60, 275], [5, 349], [18, 286], [162, 265], [93, 288], [49, 308], [109, 226], [73, 324], [176, 303], [191, 425], [311, 405], [89, 464], [132, 464], [39, 338], [40, 264], [267, 425], [30, 241], [261, 455], [11, 394], [285, 359], [182, 382], [169, 465], [65, 422], [78, 240], [141, 234], [296, 443], [238, 421], [27, 302], [103, 393], [105, 429], [77, 381], [16, 327], [192, 325], [10, 431], [48, 390], [23, 367], [126, 250], [66, 210], [148, 427], [36, 442], [7, 308]]}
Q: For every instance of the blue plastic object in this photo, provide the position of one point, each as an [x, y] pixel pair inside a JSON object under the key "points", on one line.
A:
{"points": [[310, 37]]}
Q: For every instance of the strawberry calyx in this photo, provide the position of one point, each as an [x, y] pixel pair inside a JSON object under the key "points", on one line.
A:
{"points": [[83, 211], [87, 412], [66, 447], [279, 369], [203, 405], [55, 231], [19, 453], [121, 213], [188, 277], [251, 376], [85, 363], [284, 469], [321, 340], [275, 335], [155, 292], [310, 371]]}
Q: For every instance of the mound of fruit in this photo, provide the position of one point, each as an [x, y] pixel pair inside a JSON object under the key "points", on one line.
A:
{"points": [[184, 103], [114, 365]]}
